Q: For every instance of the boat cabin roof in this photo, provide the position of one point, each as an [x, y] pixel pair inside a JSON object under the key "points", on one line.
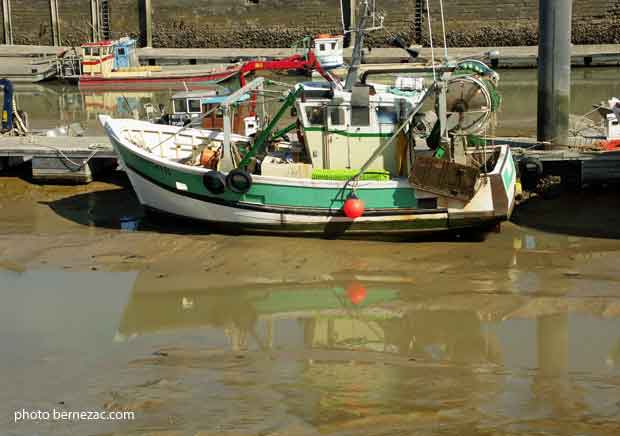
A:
{"points": [[123, 42], [203, 93], [326, 37], [106, 43], [208, 96]]}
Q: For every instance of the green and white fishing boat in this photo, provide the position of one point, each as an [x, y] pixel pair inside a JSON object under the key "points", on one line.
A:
{"points": [[360, 163]]}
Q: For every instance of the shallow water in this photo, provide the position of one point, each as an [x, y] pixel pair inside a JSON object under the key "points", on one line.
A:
{"points": [[52, 105], [359, 356], [104, 308]]}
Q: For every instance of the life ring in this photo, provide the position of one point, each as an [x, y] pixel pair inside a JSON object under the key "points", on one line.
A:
{"points": [[215, 182], [239, 181]]}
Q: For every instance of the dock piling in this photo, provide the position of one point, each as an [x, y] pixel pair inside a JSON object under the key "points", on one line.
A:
{"points": [[7, 22], [554, 70], [146, 23], [95, 20], [55, 23]]}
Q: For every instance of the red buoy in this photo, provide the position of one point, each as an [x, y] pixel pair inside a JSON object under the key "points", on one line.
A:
{"points": [[356, 293], [353, 207]]}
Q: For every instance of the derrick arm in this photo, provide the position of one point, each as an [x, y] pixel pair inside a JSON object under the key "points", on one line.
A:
{"points": [[295, 62], [263, 136]]}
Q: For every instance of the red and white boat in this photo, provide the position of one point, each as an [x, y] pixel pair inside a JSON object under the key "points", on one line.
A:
{"points": [[114, 65]]}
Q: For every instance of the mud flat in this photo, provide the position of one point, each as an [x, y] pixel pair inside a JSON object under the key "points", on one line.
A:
{"points": [[106, 309]]}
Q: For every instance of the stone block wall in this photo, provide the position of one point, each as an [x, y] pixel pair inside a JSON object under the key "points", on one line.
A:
{"points": [[278, 23]]}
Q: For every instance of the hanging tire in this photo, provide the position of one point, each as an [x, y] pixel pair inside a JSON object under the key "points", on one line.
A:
{"points": [[215, 182], [530, 172], [239, 181]]}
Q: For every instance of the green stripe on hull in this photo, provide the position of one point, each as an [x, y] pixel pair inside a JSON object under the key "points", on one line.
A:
{"points": [[275, 195]]}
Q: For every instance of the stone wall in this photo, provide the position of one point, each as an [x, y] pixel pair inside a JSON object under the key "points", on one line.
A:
{"points": [[278, 23], [32, 21]]}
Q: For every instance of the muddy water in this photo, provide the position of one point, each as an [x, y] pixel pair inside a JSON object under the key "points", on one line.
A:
{"points": [[106, 309], [485, 353]]}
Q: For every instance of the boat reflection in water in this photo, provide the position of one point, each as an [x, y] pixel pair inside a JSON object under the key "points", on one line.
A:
{"points": [[366, 356]]}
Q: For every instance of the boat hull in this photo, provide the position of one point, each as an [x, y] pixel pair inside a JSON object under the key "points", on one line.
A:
{"points": [[303, 206], [155, 81]]}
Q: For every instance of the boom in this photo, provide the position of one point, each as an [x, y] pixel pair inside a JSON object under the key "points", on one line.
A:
{"points": [[295, 62]]}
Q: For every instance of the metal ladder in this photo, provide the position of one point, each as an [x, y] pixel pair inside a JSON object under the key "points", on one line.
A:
{"points": [[104, 13], [418, 20]]}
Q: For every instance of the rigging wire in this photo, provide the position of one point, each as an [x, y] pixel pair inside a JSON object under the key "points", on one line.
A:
{"points": [[430, 38], [443, 30]]}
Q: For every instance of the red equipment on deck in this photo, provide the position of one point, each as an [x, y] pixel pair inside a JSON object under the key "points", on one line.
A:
{"points": [[295, 62]]}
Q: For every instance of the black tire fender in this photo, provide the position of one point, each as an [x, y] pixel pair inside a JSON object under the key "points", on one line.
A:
{"points": [[215, 182], [531, 166], [530, 172], [239, 181]]}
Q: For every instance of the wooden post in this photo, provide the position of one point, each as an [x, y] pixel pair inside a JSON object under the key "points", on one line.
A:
{"points": [[8, 24], [95, 20], [55, 22], [146, 23]]}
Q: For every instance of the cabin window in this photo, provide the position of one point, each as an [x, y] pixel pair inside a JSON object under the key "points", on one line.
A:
{"points": [[179, 105], [194, 106], [95, 51], [386, 115], [360, 116], [336, 116], [121, 51], [333, 46], [315, 115], [321, 47], [87, 51]]}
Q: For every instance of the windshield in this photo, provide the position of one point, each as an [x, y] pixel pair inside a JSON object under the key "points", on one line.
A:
{"points": [[194, 106], [179, 105]]}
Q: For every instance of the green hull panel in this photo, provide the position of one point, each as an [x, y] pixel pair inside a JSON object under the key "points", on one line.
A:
{"points": [[275, 195]]}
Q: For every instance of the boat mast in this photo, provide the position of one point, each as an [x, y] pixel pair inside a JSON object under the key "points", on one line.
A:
{"points": [[356, 59]]}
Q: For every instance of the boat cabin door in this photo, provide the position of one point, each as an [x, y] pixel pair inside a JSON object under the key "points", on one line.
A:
{"points": [[338, 141]]}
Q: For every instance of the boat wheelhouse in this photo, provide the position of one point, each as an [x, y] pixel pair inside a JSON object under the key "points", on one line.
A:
{"points": [[203, 107], [329, 50]]}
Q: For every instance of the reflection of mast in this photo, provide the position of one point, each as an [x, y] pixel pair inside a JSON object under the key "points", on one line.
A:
{"points": [[552, 334], [552, 384]]}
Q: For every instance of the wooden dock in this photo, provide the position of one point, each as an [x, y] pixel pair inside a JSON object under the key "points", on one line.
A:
{"points": [[506, 57], [576, 165], [502, 57], [64, 159]]}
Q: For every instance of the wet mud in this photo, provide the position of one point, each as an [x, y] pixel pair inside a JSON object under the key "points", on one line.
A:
{"points": [[107, 308], [202, 333]]}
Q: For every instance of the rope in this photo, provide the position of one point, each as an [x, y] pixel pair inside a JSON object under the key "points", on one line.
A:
{"points": [[21, 126], [430, 37], [78, 166], [443, 30]]}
